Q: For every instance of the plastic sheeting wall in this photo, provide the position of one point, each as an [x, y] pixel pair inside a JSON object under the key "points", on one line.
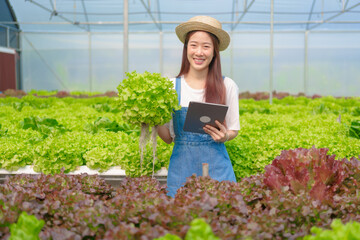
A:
{"points": [[65, 61]]}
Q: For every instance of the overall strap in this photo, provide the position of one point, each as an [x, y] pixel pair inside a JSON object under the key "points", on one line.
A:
{"points": [[178, 88]]}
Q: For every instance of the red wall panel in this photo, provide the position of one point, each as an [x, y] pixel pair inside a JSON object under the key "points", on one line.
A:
{"points": [[7, 71]]}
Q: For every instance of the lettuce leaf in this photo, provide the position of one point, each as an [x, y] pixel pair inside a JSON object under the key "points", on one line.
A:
{"points": [[28, 227], [309, 170], [200, 230], [349, 231]]}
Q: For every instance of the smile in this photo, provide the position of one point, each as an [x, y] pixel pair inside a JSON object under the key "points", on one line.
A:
{"points": [[199, 61]]}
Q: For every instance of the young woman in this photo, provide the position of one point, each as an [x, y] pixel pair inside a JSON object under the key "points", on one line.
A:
{"points": [[200, 79]]}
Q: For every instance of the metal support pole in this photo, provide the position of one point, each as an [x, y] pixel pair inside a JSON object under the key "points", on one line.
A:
{"points": [[19, 83], [126, 39], [306, 71], [271, 51], [161, 53], [232, 56], [7, 37], [90, 64]]}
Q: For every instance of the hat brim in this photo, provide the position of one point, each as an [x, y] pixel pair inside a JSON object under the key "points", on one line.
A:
{"points": [[184, 28]]}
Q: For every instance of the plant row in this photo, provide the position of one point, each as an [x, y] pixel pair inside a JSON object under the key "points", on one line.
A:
{"points": [[84, 94], [299, 190], [53, 133], [267, 129]]}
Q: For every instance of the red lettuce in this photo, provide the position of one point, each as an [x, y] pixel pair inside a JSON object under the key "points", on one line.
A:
{"points": [[309, 170]]}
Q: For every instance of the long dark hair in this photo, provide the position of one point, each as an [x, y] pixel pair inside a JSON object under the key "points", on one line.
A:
{"points": [[214, 88]]}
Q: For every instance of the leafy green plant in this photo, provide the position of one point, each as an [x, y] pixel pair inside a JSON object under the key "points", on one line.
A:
{"points": [[45, 126], [37, 103], [106, 124], [104, 107], [147, 100], [18, 106], [354, 129], [78, 93], [200, 230], [100, 158], [42, 92], [356, 111], [339, 231], [2, 132], [28, 227], [168, 236], [64, 151]]}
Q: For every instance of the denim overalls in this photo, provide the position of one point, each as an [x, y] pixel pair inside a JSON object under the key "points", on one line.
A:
{"points": [[191, 150]]}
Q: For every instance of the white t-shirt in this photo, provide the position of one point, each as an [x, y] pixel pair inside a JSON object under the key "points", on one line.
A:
{"points": [[232, 100]]}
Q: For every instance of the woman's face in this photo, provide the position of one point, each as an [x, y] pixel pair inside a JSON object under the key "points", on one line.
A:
{"points": [[200, 51]]}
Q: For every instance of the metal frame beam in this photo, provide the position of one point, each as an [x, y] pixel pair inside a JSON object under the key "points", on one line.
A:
{"points": [[53, 5], [178, 22], [198, 13], [159, 15], [7, 26], [235, 2], [172, 32], [347, 1], [310, 14], [86, 15], [150, 13], [334, 16], [60, 16], [242, 15]]}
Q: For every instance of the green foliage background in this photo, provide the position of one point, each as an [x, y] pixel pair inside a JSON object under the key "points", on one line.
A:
{"points": [[93, 132], [291, 123]]}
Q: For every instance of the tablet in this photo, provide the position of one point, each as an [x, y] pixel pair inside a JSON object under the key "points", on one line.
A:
{"points": [[199, 114]]}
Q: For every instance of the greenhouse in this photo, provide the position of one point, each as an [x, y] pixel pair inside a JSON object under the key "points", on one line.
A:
{"points": [[108, 131], [304, 46]]}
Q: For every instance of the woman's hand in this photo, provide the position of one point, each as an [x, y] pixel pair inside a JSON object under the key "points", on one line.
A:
{"points": [[219, 135], [164, 133]]}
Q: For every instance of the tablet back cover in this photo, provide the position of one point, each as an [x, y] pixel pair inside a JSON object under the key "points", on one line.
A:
{"points": [[199, 114]]}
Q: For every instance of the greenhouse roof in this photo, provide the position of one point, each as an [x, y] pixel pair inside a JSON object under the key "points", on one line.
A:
{"points": [[164, 15]]}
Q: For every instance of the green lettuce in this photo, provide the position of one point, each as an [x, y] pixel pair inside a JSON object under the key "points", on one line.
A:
{"points": [[147, 98], [339, 231], [28, 227], [199, 230]]}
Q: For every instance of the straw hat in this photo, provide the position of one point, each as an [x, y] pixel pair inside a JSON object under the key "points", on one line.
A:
{"points": [[204, 23]]}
